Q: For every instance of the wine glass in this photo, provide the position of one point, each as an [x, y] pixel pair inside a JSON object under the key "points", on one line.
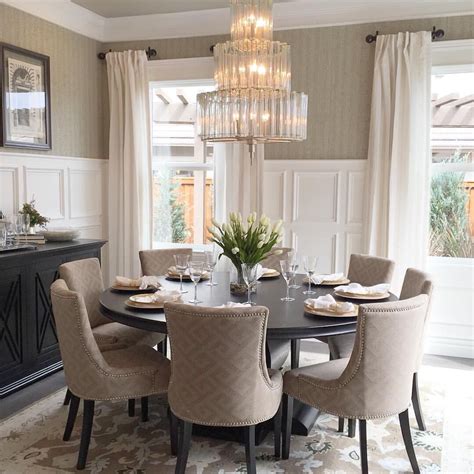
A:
{"points": [[181, 263], [310, 267], [249, 273], [195, 273], [211, 262], [288, 272], [293, 258]]}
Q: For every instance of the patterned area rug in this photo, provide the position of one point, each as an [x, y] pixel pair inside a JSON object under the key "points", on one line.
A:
{"points": [[31, 442]]}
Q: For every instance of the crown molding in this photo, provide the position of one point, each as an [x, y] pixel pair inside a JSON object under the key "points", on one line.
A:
{"points": [[290, 15]]}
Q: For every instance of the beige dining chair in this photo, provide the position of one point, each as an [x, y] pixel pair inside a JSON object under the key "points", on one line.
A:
{"points": [[85, 277], [273, 261], [157, 262], [415, 283], [95, 374], [218, 373], [375, 382]]}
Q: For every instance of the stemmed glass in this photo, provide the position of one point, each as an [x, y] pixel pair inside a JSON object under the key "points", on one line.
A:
{"points": [[293, 258], [195, 273], [288, 272], [310, 267], [3, 235], [249, 273], [211, 262], [181, 263]]}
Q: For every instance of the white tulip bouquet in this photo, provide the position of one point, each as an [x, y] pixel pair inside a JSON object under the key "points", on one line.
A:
{"points": [[249, 241]]}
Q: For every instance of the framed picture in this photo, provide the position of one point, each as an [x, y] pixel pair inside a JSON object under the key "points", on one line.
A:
{"points": [[25, 99]]}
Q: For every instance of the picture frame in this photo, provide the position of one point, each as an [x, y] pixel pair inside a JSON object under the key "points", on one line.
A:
{"points": [[25, 99]]}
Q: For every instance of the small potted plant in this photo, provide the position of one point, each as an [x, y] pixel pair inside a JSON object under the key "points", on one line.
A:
{"points": [[247, 242], [36, 219]]}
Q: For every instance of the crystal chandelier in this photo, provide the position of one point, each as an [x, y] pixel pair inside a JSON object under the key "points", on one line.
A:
{"points": [[253, 102]]}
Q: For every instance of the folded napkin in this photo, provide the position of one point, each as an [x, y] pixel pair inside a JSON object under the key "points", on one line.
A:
{"points": [[318, 279], [166, 296], [142, 283], [231, 304], [358, 289], [328, 302]]}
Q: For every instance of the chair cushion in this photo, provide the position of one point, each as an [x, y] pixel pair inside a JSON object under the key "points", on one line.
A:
{"points": [[117, 333], [341, 346]]}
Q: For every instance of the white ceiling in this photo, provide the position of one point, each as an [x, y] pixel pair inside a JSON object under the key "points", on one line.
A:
{"points": [[157, 19], [121, 8]]}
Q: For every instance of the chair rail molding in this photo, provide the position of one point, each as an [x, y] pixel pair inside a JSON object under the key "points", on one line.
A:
{"points": [[70, 191]]}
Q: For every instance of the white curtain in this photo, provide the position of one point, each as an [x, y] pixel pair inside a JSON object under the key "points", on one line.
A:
{"points": [[399, 151], [130, 198], [238, 183]]}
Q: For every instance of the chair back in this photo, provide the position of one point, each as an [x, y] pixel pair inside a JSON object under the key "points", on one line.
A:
{"points": [[378, 377], [157, 262], [273, 261], [368, 270], [82, 359], [85, 277], [417, 283], [218, 371]]}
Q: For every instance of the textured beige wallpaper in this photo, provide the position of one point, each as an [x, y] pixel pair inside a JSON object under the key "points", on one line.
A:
{"points": [[77, 86], [334, 65]]}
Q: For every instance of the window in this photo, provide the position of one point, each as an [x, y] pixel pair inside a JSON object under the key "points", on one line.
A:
{"points": [[452, 184], [183, 168]]}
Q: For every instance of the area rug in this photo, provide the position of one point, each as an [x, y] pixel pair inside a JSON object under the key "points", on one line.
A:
{"points": [[31, 442]]}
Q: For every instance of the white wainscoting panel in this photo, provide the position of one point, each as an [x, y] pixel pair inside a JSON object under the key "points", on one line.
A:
{"points": [[321, 204], [70, 191]]}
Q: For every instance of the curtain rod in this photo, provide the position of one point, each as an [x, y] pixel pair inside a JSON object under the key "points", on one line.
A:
{"points": [[435, 36], [150, 52]]}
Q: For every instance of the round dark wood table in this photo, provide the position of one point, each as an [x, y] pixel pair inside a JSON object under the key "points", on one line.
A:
{"points": [[287, 323]]}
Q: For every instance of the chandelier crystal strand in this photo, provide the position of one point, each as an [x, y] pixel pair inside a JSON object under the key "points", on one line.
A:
{"points": [[253, 102]]}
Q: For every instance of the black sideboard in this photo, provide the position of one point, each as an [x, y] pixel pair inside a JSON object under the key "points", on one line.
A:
{"points": [[28, 342]]}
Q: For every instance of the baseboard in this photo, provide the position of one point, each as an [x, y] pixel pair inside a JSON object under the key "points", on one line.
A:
{"points": [[452, 347]]}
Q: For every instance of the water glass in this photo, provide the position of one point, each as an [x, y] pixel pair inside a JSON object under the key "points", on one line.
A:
{"points": [[3, 235], [250, 273], [195, 273], [210, 265], [288, 272], [25, 223], [310, 263], [181, 262]]}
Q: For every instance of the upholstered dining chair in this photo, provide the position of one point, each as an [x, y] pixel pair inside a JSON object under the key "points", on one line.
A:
{"points": [[85, 278], [95, 374], [157, 262], [218, 373], [375, 382], [273, 261], [415, 283]]}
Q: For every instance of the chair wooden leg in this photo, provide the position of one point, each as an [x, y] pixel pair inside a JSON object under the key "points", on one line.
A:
{"points": [[277, 432], [163, 346], [406, 433], [363, 446], [71, 418], [415, 400], [173, 433], [340, 426], [287, 424], [184, 445], [250, 449], [351, 432], [144, 408], [131, 407], [86, 433], [67, 397]]}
